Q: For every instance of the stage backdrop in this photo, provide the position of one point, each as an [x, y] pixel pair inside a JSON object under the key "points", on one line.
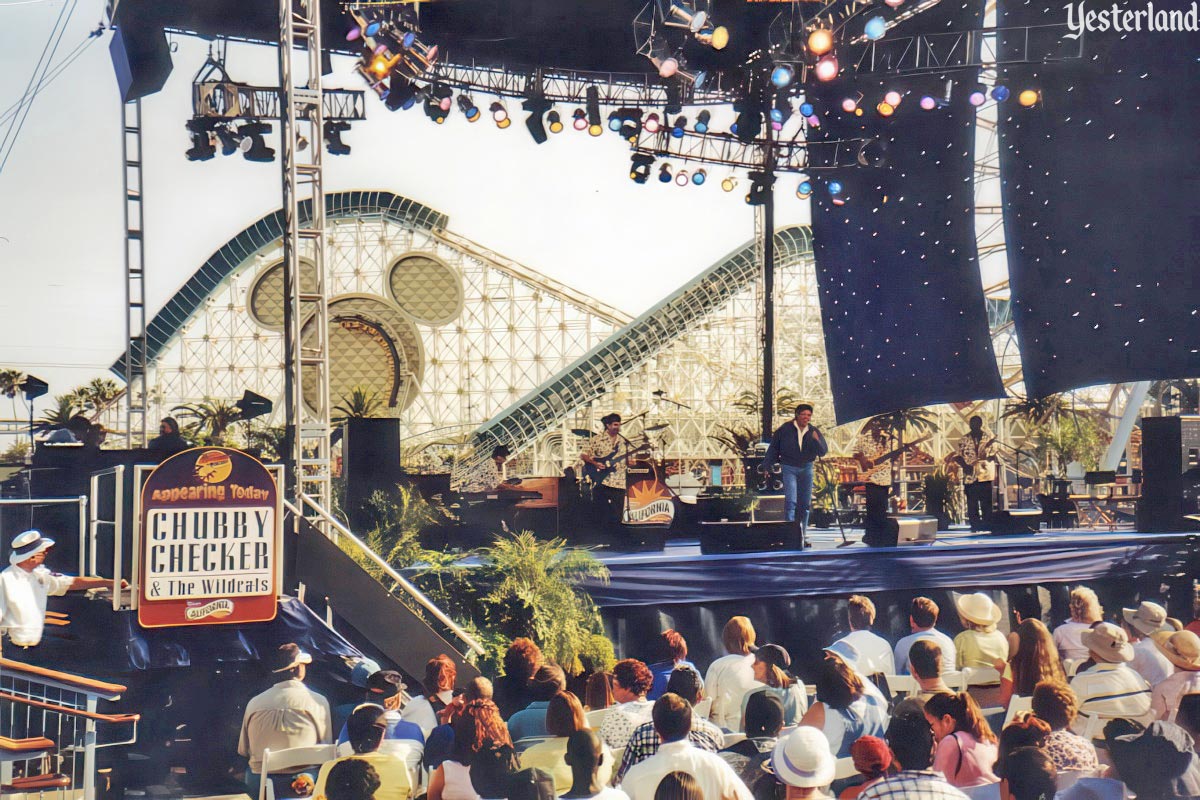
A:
{"points": [[901, 298], [1101, 181]]}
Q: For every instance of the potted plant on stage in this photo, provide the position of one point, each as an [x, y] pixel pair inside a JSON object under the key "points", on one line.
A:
{"points": [[943, 497]]}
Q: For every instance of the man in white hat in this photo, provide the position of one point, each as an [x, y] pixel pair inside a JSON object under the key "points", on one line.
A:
{"points": [[289, 714], [1182, 649], [803, 763], [1110, 689], [1141, 623], [25, 585]]}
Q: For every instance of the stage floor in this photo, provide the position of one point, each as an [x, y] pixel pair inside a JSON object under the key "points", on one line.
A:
{"points": [[682, 574]]}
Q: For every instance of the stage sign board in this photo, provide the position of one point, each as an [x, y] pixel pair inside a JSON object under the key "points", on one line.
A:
{"points": [[648, 501], [211, 540]]}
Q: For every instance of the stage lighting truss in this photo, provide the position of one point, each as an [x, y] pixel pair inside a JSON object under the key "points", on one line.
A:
{"points": [[983, 48], [388, 41], [791, 156], [660, 33]]}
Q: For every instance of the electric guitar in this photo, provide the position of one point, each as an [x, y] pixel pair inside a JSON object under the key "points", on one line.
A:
{"points": [[598, 475], [866, 464], [986, 467]]}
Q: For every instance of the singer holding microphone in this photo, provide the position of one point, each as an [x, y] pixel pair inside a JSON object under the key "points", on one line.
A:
{"points": [[796, 445]]}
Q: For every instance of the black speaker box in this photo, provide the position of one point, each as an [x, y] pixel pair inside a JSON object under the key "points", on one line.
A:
{"points": [[1016, 520], [748, 537], [141, 58], [903, 529], [370, 462], [1167, 447]]}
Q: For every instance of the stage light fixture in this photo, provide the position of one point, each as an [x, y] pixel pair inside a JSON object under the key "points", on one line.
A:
{"points": [[353, 34], [468, 108], [554, 122], [203, 148], [1029, 98], [652, 123], [537, 105], [682, 178], [928, 103], [408, 39], [885, 109], [804, 190], [678, 127], [729, 184], [614, 121], [976, 98], [702, 120], [592, 103], [401, 93], [639, 171], [499, 115], [820, 41], [1000, 93], [761, 185], [699, 176], [433, 109], [875, 28], [333, 138], [715, 37], [684, 15], [664, 173], [849, 105], [579, 119], [827, 68], [674, 103], [893, 98], [230, 142], [252, 145], [782, 75]]}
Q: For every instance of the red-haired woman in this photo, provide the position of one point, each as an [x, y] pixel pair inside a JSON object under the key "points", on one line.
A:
{"points": [[672, 652], [478, 727], [440, 674]]}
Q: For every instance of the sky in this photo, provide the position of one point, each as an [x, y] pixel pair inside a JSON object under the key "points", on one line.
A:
{"points": [[566, 208]]}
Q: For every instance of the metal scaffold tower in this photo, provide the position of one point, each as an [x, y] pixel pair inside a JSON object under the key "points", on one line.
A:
{"points": [[305, 312], [134, 362]]}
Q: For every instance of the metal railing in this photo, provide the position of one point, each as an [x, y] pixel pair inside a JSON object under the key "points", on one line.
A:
{"points": [[81, 501], [116, 525], [412, 591], [37, 702]]}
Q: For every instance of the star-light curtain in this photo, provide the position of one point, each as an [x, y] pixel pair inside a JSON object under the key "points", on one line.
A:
{"points": [[901, 297], [1101, 180]]}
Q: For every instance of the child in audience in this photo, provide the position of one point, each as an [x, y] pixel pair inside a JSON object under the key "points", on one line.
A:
{"points": [[966, 749]]}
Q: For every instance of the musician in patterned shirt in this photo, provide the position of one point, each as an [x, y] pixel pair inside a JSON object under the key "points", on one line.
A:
{"points": [[872, 443], [975, 457], [487, 475], [609, 452]]}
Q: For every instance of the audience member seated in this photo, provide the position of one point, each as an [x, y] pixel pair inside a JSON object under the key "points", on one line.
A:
{"points": [[678, 786], [1055, 704], [875, 654], [922, 617], [440, 674], [531, 784], [585, 755], [1110, 689], [1188, 717], [352, 779], [439, 745], [844, 709], [1182, 650], [599, 691], [477, 729], [385, 689], [1028, 731], [645, 740], [289, 714], [771, 664], [631, 681], [966, 749], [873, 760], [925, 663], [764, 720], [530, 722], [672, 717], [1085, 612], [1157, 762], [1028, 774], [491, 773], [1140, 624], [564, 716], [803, 763], [673, 653], [731, 675], [363, 669], [911, 739], [980, 644], [514, 689], [1033, 660], [1024, 605], [367, 727]]}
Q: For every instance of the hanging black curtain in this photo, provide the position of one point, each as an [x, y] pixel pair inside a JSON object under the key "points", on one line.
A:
{"points": [[1100, 189], [901, 298]]}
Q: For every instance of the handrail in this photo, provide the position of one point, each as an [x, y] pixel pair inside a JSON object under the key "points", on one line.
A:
{"points": [[109, 691], [74, 712], [81, 501], [33, 745], [390, 571]]}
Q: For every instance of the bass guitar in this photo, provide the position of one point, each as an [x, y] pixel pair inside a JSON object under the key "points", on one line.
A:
{"points": [[866, 464], [598, 475]]}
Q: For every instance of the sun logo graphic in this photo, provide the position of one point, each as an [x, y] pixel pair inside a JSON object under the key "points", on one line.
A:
{"points": [[649, 503], [213, 466]]}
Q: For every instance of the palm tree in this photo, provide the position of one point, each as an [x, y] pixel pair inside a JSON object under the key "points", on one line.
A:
{"points": [[211, 418], [1039, 411], [97, 393], [361, 403], [897, 423], [58, 415], [739, 440], [750, 402], [10, 385]]}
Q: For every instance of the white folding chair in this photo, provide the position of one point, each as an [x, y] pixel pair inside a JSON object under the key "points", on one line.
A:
{"points": [[1067, 777], [292, 758], [596, 718], [902, 685], [956, 681], [1017, 705], [702, 708], [980, 676]]}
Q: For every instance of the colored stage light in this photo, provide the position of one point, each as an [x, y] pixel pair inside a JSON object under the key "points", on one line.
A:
{"points": [[333, 138], [1000, 94], [651, 123], [893, 98], [682, 178], [639, 170], [875, 28], [372, 28], [820, 41], [702, 120], [928, 103], [1028, 98], [729, 184], [699, 176], [579, 119], [835, 187], [804, 190], [468, 108], [827, 68], [717, 38], [976, 98], [664, 173], [849, 104], [885, 109], [678, 127], [500, 115], [806, 109], [782, 75], [554, 122]]}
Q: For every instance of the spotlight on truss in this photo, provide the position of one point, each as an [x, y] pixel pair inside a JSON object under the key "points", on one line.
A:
{"points": [[253, 146], [333, 138], [202, 148]]}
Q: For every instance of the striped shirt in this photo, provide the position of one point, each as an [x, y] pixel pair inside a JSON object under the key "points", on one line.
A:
{"points": [[1110, 691]]}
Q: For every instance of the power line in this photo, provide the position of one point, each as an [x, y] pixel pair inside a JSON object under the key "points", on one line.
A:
{"points": [[55, 71]]}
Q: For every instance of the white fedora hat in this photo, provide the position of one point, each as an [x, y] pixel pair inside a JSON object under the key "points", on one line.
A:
{"points": [[27, 545]]}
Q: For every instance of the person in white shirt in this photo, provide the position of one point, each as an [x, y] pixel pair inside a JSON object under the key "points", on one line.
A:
{"points": [[585, 755], [673, 721], [1085, 612], [1182, 649], [27, 583], [922, 617], [440, 675], [1140, 624], [731, 676], [289, 714], [874, 652], [631, 680], [803, 762], [1110, 689]]}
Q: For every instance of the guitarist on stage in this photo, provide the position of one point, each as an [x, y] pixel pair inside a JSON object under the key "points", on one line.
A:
{"points": [[609, 452], [796, 445], [876, 472], [975, 457]]}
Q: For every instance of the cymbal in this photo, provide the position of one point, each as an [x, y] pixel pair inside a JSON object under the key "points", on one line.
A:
{"points": [[581, 432], [662, 426]]}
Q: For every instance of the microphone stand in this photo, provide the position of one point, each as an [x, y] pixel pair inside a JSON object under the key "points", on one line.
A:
{"points": [[1016, 465]]}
